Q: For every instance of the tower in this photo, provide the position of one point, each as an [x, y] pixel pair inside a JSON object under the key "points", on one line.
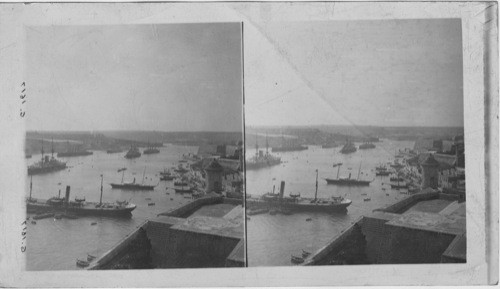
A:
{"points": [[214, 177], [430, 172]]}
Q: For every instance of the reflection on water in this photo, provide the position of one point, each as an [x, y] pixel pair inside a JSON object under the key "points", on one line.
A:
{"points": [[272, 239], [56, 244]]}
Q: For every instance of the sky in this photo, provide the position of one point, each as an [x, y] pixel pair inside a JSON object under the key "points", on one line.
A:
{"points": [[169, 77], [377, 72]]}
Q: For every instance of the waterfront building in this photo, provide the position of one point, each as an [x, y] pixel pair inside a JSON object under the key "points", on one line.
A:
{"points": [[214, 172], [430, 173]]}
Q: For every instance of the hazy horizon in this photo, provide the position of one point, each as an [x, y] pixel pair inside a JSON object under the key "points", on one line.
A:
{"points": [[370, 72], [181, 77]]}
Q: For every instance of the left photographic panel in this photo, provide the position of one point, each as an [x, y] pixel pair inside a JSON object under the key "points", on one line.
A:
{"points": [[134, 143]]}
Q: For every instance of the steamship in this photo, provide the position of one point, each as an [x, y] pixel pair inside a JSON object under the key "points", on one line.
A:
{"points": [[78, 206], [348, 181], [133, 186], [295, 203]]}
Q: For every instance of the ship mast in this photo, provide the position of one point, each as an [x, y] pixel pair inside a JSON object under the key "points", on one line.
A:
{"points": [[316, 193], [123, 174], [359, 171], [256, 147], [100, 200], [143, 174], [42, 150], [338, 171], [267, 145], [31, 185]]}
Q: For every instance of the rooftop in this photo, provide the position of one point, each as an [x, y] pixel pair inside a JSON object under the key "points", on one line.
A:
{"points": [[449, 220], [208, 220]]}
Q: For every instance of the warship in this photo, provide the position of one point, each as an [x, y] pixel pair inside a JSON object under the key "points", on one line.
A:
{"points": [[288, 146], [151, 150], [73, 151], [113, 151], [366, 145], [261, 160], [295, 203], [133, 153], [46, 164], [348, 148]]}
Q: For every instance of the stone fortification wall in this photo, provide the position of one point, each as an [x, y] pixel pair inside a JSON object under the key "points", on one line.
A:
{"points": [[410, 246], [119, 250], [403, 205], [388, 244], [340, 249], [187, 209], [188, 249]]}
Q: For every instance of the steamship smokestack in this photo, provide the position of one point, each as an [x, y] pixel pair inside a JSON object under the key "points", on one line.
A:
{"points": [[282, 189], [66, 200]]}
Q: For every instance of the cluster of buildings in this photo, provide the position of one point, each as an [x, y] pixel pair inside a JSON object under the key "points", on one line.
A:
{"points": [[426, 227]]}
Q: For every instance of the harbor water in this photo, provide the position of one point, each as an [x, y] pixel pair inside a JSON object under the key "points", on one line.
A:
{"points": [[56, 244], [272, 239]]}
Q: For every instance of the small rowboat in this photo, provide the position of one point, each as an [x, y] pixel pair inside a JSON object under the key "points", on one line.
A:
{"points": [[90, 257], [305, 254], [82, 263], [297, 260]]}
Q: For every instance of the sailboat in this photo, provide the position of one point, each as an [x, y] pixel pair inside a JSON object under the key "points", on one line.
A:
{"points": [[348, 181], [133, 185]]}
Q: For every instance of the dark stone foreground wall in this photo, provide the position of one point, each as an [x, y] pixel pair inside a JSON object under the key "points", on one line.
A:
{"points": [[351, 251], [388, 244], [136, 255]]}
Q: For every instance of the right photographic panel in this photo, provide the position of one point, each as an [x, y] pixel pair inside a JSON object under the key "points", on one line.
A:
{"points": [[354, 140]]}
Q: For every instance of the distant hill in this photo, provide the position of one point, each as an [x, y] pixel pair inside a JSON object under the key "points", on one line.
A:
{"points": [[104, 140], [317, 135]]}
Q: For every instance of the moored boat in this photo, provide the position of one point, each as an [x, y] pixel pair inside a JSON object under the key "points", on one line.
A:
{"points": [[133, 153], [297, 260], [82, 263], [183, 190], [348, 147], [271, 201], [305, 254], [366, 145], [348, 181], [77, 207], [151, 150], [133, 186], [261, 159], [47, 164]]}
